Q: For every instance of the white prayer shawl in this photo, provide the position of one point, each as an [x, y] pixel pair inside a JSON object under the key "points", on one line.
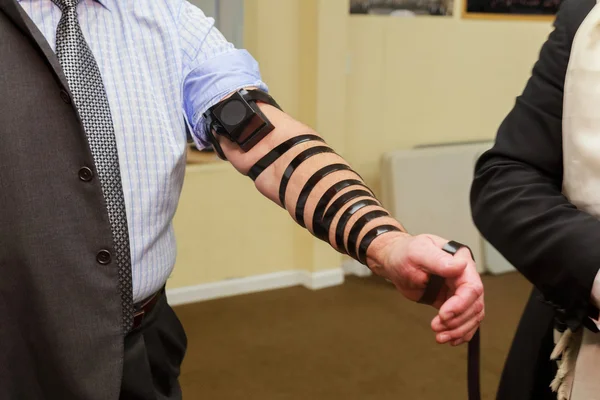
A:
{"points": [[578, 377]]}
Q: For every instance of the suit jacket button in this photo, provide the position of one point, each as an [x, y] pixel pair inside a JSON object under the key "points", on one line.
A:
{"points": [[65, 96], [103, 257], [86, 174]]}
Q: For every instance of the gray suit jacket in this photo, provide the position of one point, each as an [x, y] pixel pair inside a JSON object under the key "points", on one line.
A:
{"points": [[60, 310]]}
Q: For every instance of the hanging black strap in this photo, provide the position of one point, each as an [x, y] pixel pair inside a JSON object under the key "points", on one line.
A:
{"points": [[474, 350]]}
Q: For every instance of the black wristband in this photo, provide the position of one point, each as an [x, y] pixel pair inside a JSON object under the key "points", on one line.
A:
{"points": [[358, 227], [277, 152], [330, 194], [343, 221], [310, 185], [322, 228], [369, 237], [299, 159]]}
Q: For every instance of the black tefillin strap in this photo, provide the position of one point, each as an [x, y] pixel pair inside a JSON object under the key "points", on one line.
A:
{"points": [[358, 227], [295, 163], [369, 237], [279, 151], [329, 195], [310, 185], [431, 293], [348, 213], [321, 228]]}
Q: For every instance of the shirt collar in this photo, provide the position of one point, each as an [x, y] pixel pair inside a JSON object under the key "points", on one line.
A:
{"points": [[105, 3]]}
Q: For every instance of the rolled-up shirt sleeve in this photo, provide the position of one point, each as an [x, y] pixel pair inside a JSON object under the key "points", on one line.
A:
{"points": [[213, 68]]}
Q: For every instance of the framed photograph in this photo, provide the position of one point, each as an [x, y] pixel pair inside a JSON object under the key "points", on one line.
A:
{"points": [[511, 9], [402, 8]]}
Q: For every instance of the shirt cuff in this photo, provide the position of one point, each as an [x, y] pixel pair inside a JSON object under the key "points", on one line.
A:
{"points": [[210, 82]]}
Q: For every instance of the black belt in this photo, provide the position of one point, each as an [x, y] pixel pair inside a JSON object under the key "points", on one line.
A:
{"points": [[431, 293]]}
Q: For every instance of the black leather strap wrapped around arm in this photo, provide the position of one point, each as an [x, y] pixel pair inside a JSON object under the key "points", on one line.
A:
{"points": [[329, 195], [358, 227], [321, 228], [343, 221], [277, 152], [299, 159], [310, 185], [369, 237]]}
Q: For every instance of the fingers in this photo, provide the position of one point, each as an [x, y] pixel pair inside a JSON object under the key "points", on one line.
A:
{"points": [[460, 316], [427, 255], [439, 325], [464, 332], [467, 338], [468, 290]]}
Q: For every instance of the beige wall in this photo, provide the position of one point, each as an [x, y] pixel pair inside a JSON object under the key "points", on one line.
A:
{"points": [[369, 85], [432, 80]]}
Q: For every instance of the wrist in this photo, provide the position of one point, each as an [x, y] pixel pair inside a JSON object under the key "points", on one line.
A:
{"points": [[378, 251]]}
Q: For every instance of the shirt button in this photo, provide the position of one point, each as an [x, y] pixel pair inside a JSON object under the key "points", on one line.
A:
{"points": [[103, 257], [65, 96], [86, 174]]}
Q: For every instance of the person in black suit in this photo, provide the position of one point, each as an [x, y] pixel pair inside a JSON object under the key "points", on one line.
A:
{"points": [[518, 205]]}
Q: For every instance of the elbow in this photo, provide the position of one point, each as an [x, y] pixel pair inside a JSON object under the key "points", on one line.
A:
{"points": [[480, 212], [477, 208]]}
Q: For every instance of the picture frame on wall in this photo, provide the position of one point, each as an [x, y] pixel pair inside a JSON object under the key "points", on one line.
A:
{"points": [[402, 8], [511, 9]]}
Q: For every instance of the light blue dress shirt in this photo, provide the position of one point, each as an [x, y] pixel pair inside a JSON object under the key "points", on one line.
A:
{"points": [[163, 64]]}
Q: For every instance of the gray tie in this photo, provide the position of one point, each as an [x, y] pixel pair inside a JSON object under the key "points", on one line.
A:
{"points": [[85, 83]]}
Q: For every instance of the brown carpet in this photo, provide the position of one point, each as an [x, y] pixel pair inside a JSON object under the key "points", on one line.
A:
{"points": [[361, 340]]}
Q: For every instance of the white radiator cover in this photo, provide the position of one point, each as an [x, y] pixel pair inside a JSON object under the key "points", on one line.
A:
{"points": [[427, 189]]}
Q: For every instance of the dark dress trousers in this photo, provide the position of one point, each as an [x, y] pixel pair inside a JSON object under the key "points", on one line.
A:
{"points": [[518, 206], [60, 309]]}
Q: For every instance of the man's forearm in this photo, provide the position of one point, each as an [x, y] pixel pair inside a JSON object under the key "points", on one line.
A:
{"points": [[296, 169], [309, 176]]}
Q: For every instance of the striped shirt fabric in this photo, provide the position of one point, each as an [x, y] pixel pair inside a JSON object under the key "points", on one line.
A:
{"points": [[163, 64]]}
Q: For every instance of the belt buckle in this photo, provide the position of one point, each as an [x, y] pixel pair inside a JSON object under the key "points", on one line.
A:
{"points": [[138, 317]]}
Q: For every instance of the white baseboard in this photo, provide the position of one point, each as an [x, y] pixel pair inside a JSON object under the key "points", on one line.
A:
{"points": [[252, 284], [353, 267], [322, 279]]}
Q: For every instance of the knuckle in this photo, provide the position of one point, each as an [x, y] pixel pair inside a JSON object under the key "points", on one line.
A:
{"points": [[464, 252], [481, 316], [420, 281], [478, 289], [459, 332], [478, 307], [452, 324]]}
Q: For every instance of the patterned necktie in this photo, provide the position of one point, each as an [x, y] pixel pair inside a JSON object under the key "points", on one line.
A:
{"points": [[89, 96]]}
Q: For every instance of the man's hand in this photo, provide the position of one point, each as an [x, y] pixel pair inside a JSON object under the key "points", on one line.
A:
{"points": [[407, 261]]}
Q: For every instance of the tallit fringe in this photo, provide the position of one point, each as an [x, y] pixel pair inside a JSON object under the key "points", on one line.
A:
{"points": [[566, 349]]}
